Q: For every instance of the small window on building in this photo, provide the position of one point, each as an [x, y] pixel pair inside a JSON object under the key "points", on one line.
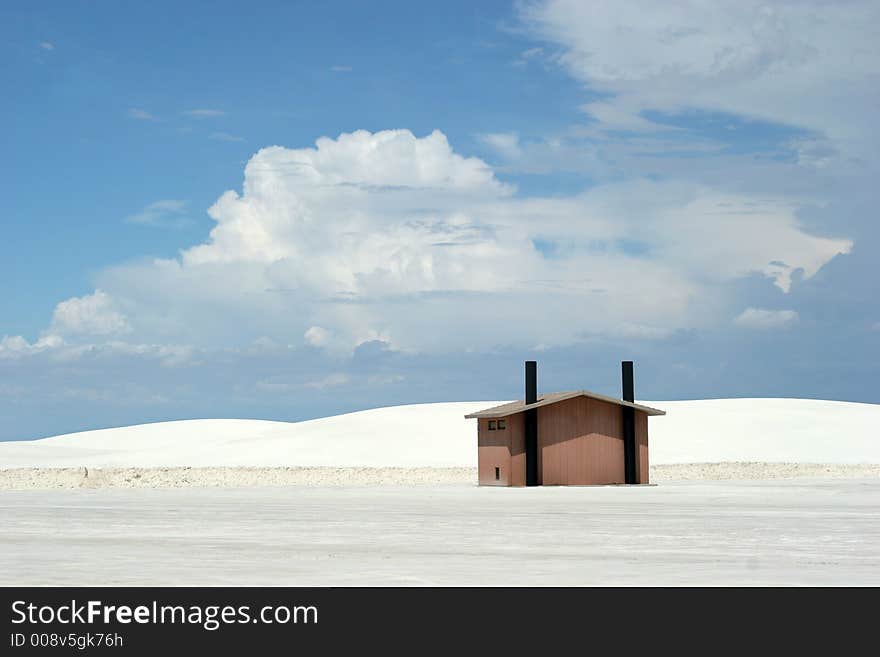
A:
{"points": [[497, 474], [502, 424], [492, 425]]}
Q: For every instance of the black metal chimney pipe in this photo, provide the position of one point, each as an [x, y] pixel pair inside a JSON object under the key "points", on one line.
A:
{"points": [[531, 424], [531, 381], [630, 449], [628, 388]]}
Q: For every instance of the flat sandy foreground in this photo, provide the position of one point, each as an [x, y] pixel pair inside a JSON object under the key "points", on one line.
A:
{"points": [[783, 532], [245, 477]]}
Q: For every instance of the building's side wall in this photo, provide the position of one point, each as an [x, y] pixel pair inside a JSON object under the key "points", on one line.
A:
{"points": [[580, 442], [493, 451], [516, 430], [642, 441]]}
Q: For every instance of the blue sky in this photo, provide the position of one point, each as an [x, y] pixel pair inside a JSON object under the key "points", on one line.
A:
{"points": [[691, 187], [286, 74]]}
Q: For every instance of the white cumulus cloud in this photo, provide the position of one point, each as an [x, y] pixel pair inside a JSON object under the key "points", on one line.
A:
{"points": [[395, 238], [14, 346], [92, 314]]}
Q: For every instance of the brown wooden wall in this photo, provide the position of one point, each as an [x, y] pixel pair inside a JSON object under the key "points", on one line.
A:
{"points": [[504, 449], [516, 427], [642, 442], [580, 442]]}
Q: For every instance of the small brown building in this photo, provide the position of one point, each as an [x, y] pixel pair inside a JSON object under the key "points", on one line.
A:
{"points": [[564, 438]]}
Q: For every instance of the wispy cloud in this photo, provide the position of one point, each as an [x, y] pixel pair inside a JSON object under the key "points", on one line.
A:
{"points": [[733, 58], [317, 336], [140, 114], [47, 45], [168, 213], [341, 69], [528, 55], [760, 318], [505, 143], [329, 381], [225, 136], [203, 113]]}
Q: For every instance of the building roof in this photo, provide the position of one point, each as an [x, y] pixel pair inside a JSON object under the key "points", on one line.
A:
{"points": [[554, 397]]}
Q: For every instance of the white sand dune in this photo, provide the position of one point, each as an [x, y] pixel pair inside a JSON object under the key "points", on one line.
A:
{"points": [[418, 435], [438, 436], [769, 430]]}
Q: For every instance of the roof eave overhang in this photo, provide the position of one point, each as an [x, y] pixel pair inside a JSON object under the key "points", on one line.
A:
{"points": [[505, 410]]}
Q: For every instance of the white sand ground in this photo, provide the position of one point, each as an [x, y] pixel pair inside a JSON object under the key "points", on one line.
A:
{"points": [[792, 532], [233, 477]]}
